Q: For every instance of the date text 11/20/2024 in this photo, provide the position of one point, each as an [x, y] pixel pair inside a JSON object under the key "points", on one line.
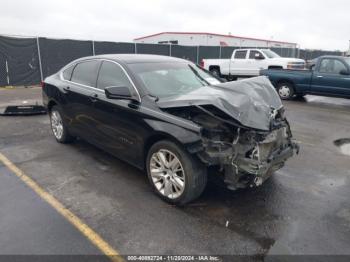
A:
{"points": [[173, 258]]}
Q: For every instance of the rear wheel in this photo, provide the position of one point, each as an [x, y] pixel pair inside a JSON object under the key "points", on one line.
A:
{"points": [[58, 127], [285, 90], [175, 175], [231, 78]]}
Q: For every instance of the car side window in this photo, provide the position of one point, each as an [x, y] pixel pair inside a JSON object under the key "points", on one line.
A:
{"points": [[112, 74], [331, 66], [254, 53], [67, 73], [85, 73], [338, 67], [240, 54]]}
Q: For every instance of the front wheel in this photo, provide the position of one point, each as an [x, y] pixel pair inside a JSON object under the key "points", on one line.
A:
{"points": [[285, 91], [215, 72], [175, 175]]}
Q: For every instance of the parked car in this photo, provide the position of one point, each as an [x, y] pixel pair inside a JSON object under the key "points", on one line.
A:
{"points": [[249, 62], [330, 76], [172, 118]]}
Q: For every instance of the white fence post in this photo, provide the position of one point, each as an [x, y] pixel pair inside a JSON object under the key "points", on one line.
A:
{"points": [[93, 48], [39, 55], [7, 73]]}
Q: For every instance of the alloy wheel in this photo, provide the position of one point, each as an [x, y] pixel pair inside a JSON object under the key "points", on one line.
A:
{"points": [[56, 124], [167, 174]]}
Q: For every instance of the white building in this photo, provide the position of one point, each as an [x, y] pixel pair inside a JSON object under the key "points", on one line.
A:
{"points": [[210, 39]]}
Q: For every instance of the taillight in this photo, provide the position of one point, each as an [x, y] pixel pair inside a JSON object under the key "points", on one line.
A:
{"points": [[42, 83], [201, 63]]}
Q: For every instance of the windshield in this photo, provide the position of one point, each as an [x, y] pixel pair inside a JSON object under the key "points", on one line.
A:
{"points": [[170, 79], [270, 54]]}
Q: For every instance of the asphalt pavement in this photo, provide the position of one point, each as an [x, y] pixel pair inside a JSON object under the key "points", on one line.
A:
{"points": [[29, 226], [303, 209]]}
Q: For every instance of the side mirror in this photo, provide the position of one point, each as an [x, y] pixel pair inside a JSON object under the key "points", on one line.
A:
{"points": [[118, 92], [259, 57], [344, 72]]}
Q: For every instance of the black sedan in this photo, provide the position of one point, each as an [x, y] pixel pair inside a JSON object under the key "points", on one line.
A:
{"points": [[172, 118]]}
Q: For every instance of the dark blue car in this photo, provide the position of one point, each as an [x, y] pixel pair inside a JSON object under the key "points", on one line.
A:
{"points": [[330, 76]]}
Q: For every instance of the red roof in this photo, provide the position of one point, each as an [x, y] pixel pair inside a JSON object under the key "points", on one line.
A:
{"points": [[213, 34]]}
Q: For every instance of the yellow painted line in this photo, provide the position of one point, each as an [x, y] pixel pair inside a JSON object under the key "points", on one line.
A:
{"points": [[305, 143], [73, 219]]}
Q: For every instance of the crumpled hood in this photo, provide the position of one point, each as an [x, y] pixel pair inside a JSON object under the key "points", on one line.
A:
{"points": [[249, 101]]}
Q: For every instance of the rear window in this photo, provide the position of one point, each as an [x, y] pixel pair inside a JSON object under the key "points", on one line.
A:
{"points": [[85, 73], [67, 73], [240, 54]]}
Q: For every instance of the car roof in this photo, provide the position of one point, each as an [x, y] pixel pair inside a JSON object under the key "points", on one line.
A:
{"points": [[247, 49], [135, 58]]}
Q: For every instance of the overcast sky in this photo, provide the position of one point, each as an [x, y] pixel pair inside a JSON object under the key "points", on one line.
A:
{"points": [[321, 24]]}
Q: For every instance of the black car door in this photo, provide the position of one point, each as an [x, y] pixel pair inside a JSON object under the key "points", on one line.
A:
{"points": [[120, 126], [80, 95], [65, 95]]}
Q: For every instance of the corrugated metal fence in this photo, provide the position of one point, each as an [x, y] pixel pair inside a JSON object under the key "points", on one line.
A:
{"points": [[26, 61]]}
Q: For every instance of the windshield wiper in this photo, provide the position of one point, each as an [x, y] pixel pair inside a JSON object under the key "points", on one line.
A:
{"points": [[199, 76]]}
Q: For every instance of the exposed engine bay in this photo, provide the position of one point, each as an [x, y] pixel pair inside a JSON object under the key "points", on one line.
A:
{"points": [[245, 156]]}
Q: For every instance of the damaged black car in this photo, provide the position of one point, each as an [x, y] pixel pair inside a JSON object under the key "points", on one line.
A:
{"points": [[173, 119]]}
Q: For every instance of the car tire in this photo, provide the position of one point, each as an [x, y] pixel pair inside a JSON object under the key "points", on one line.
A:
{"points": [[58, 126], [180, 187], [215, 72], [231, 78], [285, 90]]}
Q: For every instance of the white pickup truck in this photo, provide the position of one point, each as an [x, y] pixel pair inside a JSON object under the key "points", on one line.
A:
{"points": [[249, 62]]}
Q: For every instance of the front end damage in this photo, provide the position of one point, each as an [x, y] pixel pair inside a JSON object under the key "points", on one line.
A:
{"points": [[246, 157], [244, 132]]}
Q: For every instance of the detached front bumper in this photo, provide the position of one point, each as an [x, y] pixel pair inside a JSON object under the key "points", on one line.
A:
{"points": [[22, 110]]}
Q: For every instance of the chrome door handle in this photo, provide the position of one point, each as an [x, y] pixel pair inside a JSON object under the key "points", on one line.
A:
{"points": [[94, 97], [319, 76]]}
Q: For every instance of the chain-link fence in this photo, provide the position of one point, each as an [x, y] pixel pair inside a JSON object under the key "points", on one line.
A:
{"points": [[100, 48], [19, 61], [26, 61]]}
